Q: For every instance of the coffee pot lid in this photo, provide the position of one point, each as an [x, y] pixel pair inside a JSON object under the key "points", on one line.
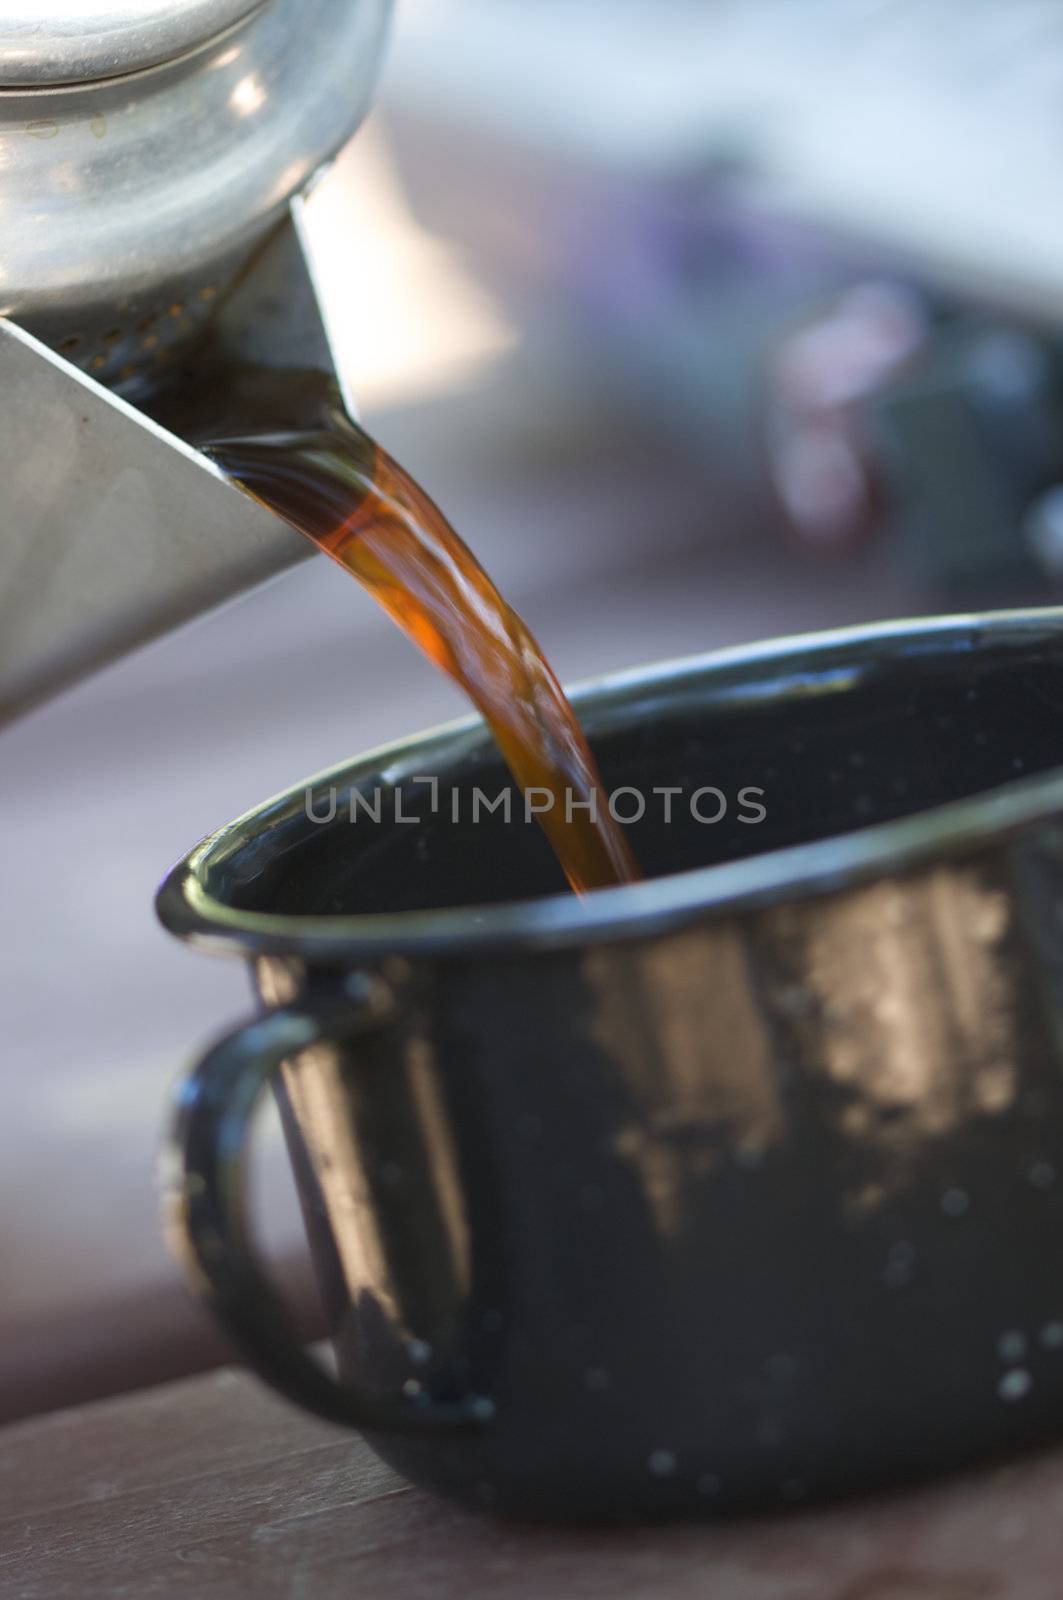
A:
{"points": [[51, 42]]}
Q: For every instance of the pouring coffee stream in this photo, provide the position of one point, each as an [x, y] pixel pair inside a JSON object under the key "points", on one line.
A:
{"points": [[322, 473], [171, 283]]}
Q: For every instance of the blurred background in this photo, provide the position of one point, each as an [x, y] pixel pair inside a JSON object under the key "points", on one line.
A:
{"points": [[704, 322]]}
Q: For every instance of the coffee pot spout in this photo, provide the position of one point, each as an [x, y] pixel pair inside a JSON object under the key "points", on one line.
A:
{"points": [[156, 162], [116, 528]]}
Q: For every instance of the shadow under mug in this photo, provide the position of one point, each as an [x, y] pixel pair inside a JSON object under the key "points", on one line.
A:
{"points": [[737, 1187]]}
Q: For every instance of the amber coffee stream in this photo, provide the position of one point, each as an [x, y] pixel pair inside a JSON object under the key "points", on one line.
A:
{"points": [[336, 485]]}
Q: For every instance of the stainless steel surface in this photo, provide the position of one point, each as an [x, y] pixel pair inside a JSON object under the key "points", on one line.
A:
{"points": [[76, 41], [145, 205], [137, 197], [114, 530]]}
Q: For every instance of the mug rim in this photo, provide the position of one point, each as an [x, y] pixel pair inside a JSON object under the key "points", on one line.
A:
{"points": [[656, 905]]}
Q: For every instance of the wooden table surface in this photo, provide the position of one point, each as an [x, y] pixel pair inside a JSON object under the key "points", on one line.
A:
{"points": [[211, 1488]]}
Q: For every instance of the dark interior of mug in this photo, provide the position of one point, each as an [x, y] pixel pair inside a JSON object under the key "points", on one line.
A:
{"points": [[834, 739]]}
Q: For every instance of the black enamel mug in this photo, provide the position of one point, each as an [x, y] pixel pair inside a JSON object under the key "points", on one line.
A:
{"points": [[737, 1187]]}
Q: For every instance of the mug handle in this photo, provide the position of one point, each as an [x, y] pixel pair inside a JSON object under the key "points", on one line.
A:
{"points": [[204, 1202]]}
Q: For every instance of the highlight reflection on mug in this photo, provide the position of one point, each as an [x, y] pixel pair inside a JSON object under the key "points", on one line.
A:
{"points": [[707, 805]]}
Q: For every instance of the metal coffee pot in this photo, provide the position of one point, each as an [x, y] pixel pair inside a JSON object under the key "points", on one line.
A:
{"points": [[153, 159]]}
